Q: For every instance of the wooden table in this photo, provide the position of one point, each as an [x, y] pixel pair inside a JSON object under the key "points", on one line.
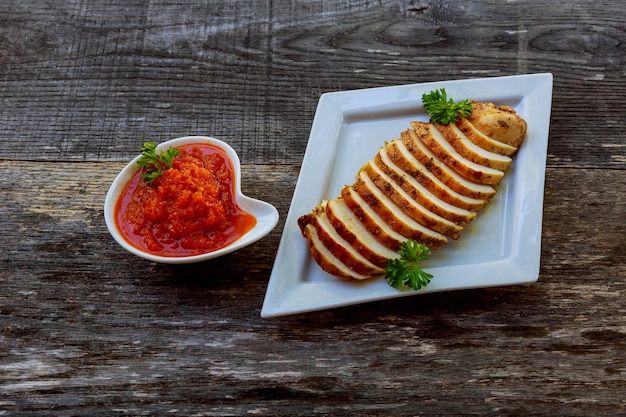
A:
{"points": [[89, 329]]}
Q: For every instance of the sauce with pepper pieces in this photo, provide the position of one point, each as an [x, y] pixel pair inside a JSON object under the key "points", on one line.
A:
{"points": [[189, 210]]}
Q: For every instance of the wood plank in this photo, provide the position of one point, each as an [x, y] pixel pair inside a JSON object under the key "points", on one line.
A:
{"points": [[91, 83], [43, 201], [87, 327]]}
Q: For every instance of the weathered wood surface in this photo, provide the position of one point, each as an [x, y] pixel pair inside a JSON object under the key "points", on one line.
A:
{"points": [[87, 329]]}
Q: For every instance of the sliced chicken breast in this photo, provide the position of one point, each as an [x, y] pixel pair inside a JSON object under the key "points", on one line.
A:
{"points": [[425, 186]]}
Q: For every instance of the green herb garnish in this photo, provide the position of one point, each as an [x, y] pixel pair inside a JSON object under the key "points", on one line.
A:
{"points": [[443, 110], [406, 270], [153, 164]]}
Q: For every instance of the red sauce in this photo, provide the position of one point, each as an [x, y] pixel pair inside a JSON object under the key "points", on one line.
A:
{"points": [[189, 210]]}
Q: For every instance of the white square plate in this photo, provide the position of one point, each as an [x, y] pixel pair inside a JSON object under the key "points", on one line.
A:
{"points": [[501, 247]]}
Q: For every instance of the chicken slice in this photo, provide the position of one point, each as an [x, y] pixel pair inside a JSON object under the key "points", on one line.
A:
{"points": [[442, 171], [355, 233], [341, 249], [325, 258], [417, 191], [500, 123], [372, 221], [408, 168], [392, 215], [468, 150], [372, 194], [431, 137], [483, 141]]}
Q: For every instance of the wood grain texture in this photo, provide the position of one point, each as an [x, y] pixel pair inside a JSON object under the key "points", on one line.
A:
{"points": [[87, 329], [90, 81]]}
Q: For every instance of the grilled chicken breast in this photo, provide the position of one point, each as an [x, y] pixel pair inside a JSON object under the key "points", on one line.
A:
{"points": [[426, 186]]}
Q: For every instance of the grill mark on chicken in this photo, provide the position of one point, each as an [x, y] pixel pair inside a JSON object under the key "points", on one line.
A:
{"points": [[425, 186]]}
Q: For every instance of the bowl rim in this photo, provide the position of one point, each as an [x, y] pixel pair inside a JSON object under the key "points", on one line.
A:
{"points": [[248, 238]]}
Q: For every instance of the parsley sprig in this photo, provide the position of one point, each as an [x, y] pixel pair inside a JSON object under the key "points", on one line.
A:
{"points": [[443, 110], [406, 270], [152, 164]]}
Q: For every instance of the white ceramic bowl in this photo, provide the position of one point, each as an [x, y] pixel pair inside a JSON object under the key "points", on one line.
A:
{"points": [[266, 214]]}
